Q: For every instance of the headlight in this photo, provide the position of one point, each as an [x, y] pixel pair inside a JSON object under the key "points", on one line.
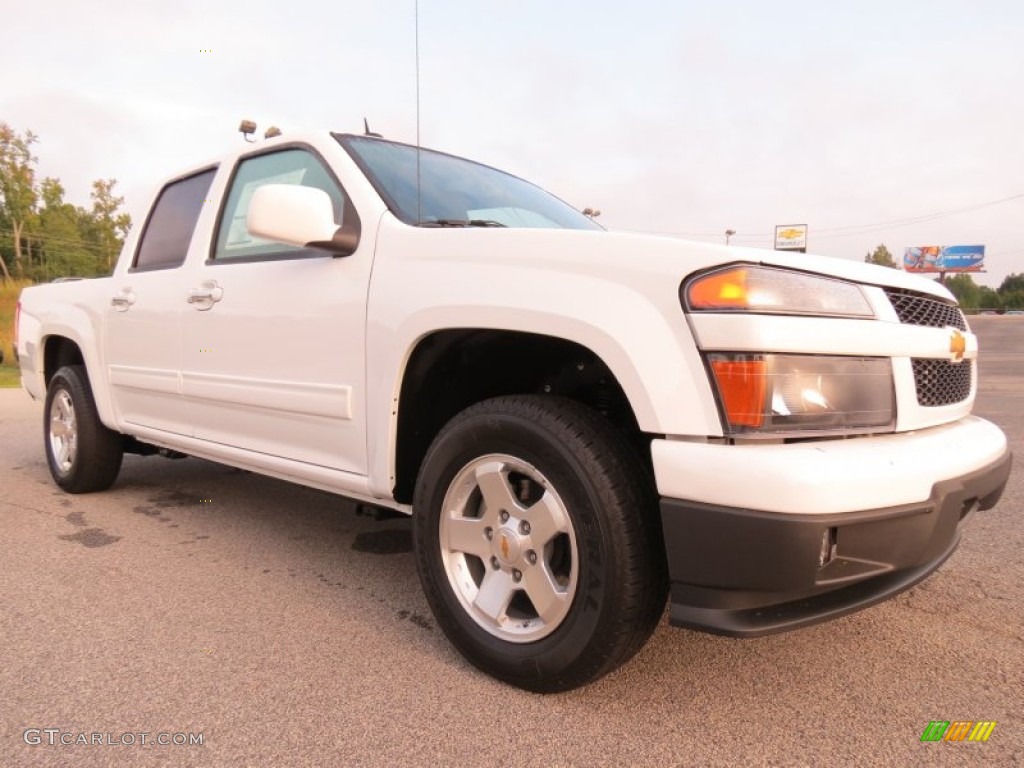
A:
{"points": [[766, 289], [776, 394]]}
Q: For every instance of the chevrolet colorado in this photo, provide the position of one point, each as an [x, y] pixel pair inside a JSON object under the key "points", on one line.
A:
{"points": [[580, 422]]}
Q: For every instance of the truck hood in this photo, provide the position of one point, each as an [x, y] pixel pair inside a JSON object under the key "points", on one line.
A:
{"points": [[673, 253], [627, 257]]}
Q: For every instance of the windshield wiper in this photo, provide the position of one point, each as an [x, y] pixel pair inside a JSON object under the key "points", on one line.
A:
{"points": [[459, 223]]}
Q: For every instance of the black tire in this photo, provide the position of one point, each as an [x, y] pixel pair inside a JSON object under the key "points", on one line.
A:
{"points": [[618, 593], [95, 459]]}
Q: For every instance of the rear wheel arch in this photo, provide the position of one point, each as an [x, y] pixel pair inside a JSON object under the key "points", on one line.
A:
{"points": [[59, 351]]}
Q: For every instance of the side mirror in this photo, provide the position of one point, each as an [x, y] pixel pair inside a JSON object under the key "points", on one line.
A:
{"points": [[302, 216]]}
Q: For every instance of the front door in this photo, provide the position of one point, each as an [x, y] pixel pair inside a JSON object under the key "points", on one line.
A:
{"points": [[273, 341]]}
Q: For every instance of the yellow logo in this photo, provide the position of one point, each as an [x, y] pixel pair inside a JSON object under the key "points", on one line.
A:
{"points": [[957, 346], [791, 234], [503, 543]]}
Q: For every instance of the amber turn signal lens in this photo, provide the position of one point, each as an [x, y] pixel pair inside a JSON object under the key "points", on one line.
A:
{"points": [[742, 385], [783, 394], [719, 290], [773, 290]]}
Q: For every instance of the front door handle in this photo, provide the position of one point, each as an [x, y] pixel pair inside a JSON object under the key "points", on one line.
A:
{"points": [[208, 294], [123, 300]]}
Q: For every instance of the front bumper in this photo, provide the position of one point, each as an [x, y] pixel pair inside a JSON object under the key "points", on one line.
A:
{"points": [[745, 573]]}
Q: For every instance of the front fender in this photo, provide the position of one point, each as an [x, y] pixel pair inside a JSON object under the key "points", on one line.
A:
{"points": [[635, 326]]}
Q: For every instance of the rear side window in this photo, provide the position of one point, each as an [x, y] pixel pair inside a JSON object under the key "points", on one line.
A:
{"points": [[170, 226]]}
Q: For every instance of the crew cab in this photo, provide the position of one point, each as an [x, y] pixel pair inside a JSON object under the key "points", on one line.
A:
{"points": [[580, 422]]}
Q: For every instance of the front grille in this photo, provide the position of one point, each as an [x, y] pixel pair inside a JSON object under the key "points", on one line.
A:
{"points": [[920, 309], [941, 382]]}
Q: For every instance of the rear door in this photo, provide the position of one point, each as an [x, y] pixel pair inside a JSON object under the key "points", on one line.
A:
{"points": [[143, 312], [273, 341]]}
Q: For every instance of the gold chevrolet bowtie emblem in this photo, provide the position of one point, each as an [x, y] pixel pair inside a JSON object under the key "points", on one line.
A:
{"points": [[957, 346], [503, 543]]}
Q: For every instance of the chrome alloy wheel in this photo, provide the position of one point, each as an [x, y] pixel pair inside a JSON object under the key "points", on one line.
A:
{"points": [[63, 431], [508, 548]]}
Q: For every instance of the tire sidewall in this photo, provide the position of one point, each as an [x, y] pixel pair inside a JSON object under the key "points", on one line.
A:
{"points": [[571, 641]]}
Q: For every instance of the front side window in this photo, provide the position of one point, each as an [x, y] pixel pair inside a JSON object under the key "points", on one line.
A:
{"points": [[427, 188], [289, 166], [168, 233]]}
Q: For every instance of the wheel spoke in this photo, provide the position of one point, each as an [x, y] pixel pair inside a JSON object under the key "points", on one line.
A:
{"points": [[536, 564], [494, 487], [494, 596], [547, 519], [466, 534], [549, 600], [63, 430]]}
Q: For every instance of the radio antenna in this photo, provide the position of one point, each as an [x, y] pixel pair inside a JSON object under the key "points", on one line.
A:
{"points": [[368, 132], [419, 205]]}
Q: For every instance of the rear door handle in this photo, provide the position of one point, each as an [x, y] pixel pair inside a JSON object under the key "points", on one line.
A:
{"points": [[206, 295], [123, 300]]}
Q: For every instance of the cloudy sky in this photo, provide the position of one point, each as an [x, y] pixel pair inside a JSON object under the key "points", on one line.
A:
{"points": [[897, 122]]}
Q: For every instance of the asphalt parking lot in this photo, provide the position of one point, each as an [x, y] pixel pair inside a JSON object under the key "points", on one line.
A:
{"points": [[197, 599]]}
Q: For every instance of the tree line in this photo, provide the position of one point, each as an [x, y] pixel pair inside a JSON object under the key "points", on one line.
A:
{"points": [[41, 235], [1009, 295]]}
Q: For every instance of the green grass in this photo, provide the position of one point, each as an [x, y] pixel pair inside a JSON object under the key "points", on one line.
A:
{"points": [[9, 376]]}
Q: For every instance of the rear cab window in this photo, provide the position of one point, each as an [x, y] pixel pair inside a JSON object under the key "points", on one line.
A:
{"points": [[172, 221]]}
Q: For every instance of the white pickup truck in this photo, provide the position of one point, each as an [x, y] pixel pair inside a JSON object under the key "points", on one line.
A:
{"points": [[578, 421]]}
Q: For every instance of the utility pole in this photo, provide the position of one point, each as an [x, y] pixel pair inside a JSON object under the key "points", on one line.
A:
{"points": [[729, 233]]}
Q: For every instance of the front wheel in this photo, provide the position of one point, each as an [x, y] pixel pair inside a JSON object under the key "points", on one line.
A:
{"points": [[82, 453], [537, 542]]}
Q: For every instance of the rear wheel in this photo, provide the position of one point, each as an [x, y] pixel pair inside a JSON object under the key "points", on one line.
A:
{"points": [[537, 542], [82, 453]]}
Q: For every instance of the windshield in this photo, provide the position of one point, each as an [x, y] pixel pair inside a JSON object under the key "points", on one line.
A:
{"points": [[454, 191]]}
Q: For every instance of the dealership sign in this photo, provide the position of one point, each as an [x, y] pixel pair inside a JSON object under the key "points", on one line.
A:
{"points": [[791, 237], [944, 258]]}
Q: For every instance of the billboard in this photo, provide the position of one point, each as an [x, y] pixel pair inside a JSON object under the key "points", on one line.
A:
{"points": [[944, 258], [791, 237]]}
